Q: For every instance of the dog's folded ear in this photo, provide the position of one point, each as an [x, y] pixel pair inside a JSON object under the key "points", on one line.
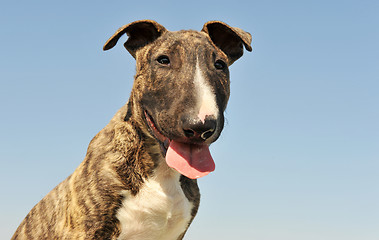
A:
{"points": [[140, 34], [229, 39]]}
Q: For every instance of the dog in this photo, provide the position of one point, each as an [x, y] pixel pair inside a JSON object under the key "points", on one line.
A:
{"points": [[138, 178]]}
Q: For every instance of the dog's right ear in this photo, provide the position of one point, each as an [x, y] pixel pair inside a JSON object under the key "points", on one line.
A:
{"points": [[140, 34]]}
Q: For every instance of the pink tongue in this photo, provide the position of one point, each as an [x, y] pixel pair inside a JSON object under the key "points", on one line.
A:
{"points": [[193, 161]]}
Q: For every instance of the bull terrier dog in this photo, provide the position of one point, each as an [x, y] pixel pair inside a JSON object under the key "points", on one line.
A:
{"points": [[138, 178]]}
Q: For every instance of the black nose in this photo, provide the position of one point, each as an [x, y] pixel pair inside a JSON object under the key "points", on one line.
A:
{"points": [[199, 130]]}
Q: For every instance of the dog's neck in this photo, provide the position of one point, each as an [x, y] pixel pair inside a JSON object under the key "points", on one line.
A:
{"points": [[120, 138]]}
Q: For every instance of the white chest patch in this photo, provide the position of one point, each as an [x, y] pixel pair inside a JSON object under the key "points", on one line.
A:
{"points": [[160, 210], [206, 98]]}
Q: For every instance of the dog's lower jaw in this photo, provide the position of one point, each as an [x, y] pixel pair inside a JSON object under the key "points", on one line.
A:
{"points": [[163, 141]]}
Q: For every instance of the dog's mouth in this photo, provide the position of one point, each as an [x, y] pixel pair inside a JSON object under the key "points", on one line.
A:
{"points": [[163, 140], [191, 160]]}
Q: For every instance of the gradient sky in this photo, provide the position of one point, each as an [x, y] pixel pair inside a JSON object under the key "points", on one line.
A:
{"points": [[299, 156]]}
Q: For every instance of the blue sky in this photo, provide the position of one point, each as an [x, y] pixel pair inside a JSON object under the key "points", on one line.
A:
{"points": [[299, 156]]}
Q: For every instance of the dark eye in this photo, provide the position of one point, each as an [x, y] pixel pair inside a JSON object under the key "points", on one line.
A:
{"points": [[219, 64], [163, 60]]}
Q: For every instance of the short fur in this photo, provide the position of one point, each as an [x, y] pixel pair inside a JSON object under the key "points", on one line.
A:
{"points": [[124, 182]]}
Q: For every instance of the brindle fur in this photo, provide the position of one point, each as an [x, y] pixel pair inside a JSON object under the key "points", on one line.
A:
{"points": [[125, 153]]}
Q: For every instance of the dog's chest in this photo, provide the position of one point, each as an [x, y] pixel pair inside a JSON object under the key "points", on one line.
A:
{"points": [[159, 211]]}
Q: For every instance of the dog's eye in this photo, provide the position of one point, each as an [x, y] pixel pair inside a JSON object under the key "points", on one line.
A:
{"points": [[219, 64], [163, 60]]}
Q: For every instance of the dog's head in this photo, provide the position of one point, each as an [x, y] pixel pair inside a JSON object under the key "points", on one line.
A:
{"points": [[181, 87]]}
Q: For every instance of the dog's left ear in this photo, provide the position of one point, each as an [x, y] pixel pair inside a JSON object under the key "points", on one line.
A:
{"points": [[229, 39], [140, 34]]}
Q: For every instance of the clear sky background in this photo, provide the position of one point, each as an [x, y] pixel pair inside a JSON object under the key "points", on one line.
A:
{"points": [[299, 156]]}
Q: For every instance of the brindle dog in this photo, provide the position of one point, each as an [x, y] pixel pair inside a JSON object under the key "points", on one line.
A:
{"points": [[138, 179]]}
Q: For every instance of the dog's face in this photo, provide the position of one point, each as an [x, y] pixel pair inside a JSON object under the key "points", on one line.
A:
{"points": [[181, 88], [187, 86]]}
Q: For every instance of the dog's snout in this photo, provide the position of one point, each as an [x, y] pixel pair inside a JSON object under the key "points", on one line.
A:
{"points": [[199, 130]]}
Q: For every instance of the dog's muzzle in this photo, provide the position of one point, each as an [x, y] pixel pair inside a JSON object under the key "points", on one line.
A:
{"points": [[190, 155]]}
